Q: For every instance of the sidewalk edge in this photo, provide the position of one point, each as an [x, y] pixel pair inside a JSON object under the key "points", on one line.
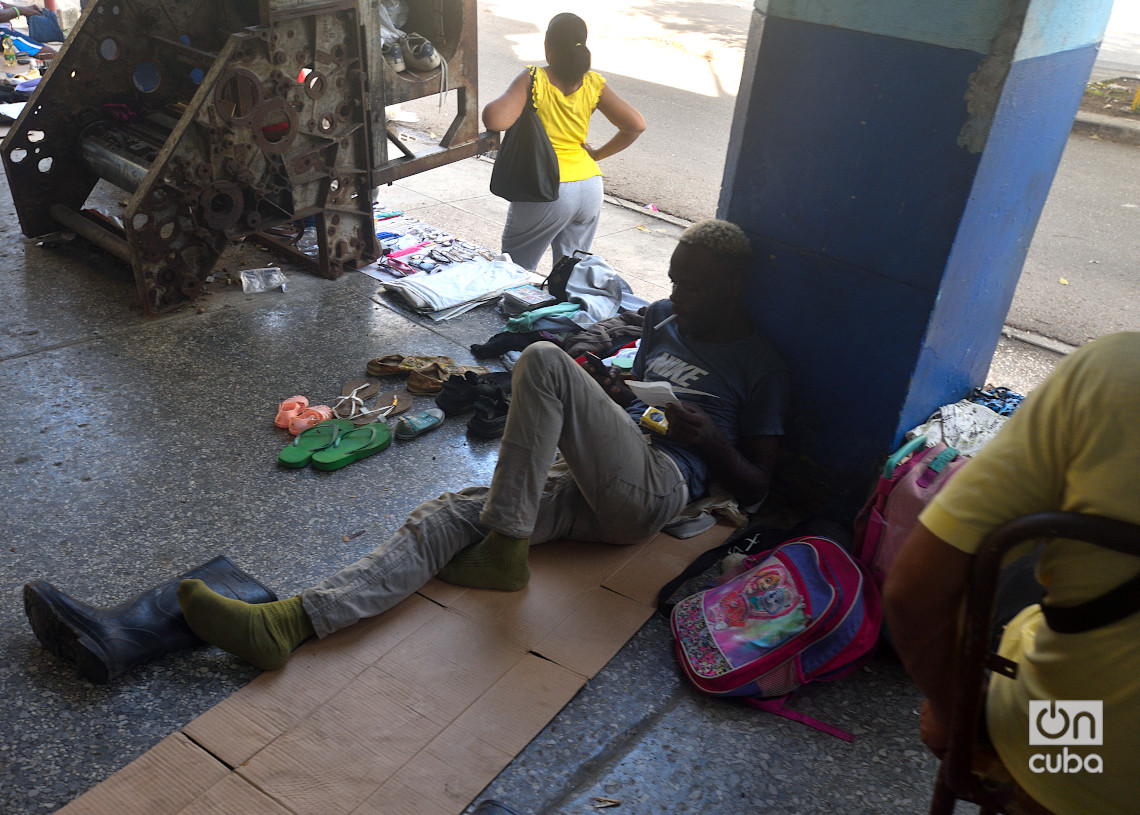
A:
{"points": [[1039, 340], [1107, 127]]}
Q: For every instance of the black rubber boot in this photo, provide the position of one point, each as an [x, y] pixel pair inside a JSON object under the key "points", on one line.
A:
{"points": [[103, 643]]}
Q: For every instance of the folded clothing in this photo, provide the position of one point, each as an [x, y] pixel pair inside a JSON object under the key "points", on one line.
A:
{"points": [[458, 284], [526, 320]]}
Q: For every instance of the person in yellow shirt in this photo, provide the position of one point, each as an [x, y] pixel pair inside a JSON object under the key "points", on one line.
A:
{"points": [[1073, 446], [566, 93]]}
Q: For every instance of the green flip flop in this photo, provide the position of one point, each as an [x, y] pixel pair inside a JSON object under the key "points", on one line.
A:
{"points": [[318, 437], [353, 446]]}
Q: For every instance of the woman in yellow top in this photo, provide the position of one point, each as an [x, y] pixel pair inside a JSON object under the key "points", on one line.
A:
{"points": [[566, 93]]}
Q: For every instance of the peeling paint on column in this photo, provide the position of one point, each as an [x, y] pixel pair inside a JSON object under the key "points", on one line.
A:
{"points": [[985, 84]]}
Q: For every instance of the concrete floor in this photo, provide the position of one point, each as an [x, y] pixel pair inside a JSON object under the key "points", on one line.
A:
{"points": [[137, 448]]}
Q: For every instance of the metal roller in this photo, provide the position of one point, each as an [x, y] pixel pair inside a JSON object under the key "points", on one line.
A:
{"points": [[116, 167], [99, 236]]}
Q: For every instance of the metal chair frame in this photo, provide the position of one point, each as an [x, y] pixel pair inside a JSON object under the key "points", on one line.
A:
{"points": [[955, 780]]}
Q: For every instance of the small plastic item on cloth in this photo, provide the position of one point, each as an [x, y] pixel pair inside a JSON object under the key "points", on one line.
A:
{"points": [[389, 241], [409, 250], [397, 266], [259, 280]]}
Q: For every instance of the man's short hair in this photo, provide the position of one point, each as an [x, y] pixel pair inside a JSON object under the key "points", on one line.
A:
{"points": [[723, 239]]}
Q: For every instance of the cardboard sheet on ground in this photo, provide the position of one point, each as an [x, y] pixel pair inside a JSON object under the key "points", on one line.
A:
{"points": [[422, 705]]}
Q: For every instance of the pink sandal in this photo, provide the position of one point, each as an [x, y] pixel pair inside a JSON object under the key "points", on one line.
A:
{"points": [[309, 417], [289, 409]]}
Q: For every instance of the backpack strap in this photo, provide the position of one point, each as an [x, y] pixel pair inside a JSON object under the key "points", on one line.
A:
{"points": [[775, 705]]}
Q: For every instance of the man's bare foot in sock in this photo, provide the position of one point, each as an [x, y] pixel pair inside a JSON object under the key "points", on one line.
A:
{"points": [[496, 562]]}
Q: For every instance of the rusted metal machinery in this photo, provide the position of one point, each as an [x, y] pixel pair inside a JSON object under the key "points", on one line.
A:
{"points": [[230, 119]]}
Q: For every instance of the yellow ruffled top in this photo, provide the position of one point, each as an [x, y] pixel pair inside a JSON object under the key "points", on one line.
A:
{"points": [[567, 122]]}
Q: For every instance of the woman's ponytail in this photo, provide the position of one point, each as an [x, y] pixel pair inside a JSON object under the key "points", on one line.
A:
{"points": [[566, 49]]}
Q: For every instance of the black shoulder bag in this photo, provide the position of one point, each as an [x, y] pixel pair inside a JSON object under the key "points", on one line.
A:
{"points": [[526, 168]]}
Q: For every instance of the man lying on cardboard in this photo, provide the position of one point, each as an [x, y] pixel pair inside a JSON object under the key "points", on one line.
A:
{"points": [[614, 482]]}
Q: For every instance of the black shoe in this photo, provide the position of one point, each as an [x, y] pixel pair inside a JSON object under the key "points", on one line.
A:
{"points": [[490, 417], [460, 393], [103, 643]]}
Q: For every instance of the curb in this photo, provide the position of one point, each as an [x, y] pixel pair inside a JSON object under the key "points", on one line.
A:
{"points": [[1037, 340], [652, 213], [1110, 128]]}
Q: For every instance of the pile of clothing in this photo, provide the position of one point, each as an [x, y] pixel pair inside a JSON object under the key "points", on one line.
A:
{"points": [[598, 314]]}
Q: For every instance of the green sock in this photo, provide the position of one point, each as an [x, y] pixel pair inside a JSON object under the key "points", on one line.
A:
{"points": [[264, 634], [496, 562]]}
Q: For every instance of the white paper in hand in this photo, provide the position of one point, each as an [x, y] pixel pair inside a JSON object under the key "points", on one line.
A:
{"points": [[657, 394]]}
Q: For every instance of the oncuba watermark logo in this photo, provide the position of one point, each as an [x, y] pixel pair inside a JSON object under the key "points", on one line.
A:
{"points": [[1064, 724]]}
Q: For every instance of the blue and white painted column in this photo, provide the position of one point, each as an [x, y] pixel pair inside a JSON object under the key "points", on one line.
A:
{"points": [[889, 160]]}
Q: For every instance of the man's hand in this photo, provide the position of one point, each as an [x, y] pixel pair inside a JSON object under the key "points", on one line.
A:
{"points": [[30, 10], [610, 380], [688, 423]]}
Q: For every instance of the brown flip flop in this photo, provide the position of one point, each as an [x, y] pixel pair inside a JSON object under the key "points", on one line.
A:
{"points": [[395, 401], [350, 404]]}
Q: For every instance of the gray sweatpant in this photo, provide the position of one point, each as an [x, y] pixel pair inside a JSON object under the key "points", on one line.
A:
{"points": [[564, 225], [610, 484]]}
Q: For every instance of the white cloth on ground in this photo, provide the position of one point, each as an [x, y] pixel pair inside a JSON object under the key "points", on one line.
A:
{"points": [[474, 280]]}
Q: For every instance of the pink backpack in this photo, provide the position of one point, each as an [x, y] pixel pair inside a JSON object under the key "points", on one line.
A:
{"points": [[802, 612], [911, 478]]}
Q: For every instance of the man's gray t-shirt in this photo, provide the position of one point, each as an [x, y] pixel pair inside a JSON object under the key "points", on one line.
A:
{"points": [[743, 386]]}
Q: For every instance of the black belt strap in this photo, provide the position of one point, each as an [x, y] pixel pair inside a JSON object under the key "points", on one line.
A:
{"points": [[1121, 602]]}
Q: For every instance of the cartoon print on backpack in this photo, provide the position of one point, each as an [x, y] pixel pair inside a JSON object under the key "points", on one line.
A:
{"points": [[767, 610]]}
